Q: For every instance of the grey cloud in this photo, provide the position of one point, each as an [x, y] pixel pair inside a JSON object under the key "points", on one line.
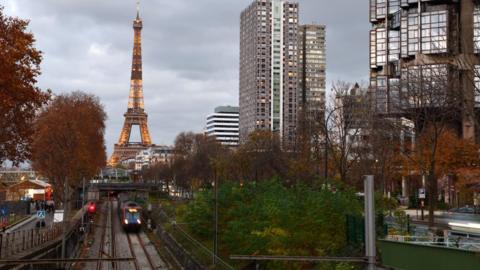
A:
{"points": [[190, 50]]}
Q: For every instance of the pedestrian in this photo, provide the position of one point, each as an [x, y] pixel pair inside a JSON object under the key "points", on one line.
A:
{"points": [[37, 206], [49, 206]]}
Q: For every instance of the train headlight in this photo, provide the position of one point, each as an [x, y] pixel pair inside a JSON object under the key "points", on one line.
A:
{"points": [[138, 221], [126, 221]]}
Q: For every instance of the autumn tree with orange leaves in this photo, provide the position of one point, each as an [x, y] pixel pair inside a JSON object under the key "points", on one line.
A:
{"points": [[69, 140], [453, 156], [20, 99]]}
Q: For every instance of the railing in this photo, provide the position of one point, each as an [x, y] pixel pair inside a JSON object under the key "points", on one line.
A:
{"points": [[17, 242], [21, 241], [458, 242]]}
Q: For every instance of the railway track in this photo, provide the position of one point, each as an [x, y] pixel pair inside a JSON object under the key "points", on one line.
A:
{"points": [[143, 259], [112, 235], [112, 242], [102, 238], [107, 242]]}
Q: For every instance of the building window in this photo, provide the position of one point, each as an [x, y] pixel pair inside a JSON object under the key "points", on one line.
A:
{"points": [[394, 94], [425, 85], [381, 10], [393, 6], [413, 39], [476, 29], [373, 10], [373, 49], [404, 36], [477, 85], [393, 45], [381, 42], [434, 32], [381, 94]]}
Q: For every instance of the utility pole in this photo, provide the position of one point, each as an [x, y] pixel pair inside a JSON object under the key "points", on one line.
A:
{"points": [[83, 201], [215, 243], [370, 245], [65, 217]]}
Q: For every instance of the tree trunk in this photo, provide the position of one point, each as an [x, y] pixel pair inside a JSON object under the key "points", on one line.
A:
{"points": [[432, 198]]}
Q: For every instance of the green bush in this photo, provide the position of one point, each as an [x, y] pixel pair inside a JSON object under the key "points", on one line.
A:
{"points": [[270, 219]]}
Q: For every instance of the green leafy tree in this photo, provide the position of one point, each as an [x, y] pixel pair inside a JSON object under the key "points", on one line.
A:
{"points": [[268, 218]]}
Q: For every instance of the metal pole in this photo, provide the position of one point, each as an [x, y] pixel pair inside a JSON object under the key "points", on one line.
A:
{"points": [[65, 216], [83, 201], [215, 246], [370, 247]]}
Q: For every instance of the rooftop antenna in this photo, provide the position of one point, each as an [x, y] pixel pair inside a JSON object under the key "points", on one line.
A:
{"points": [[138, 9]]}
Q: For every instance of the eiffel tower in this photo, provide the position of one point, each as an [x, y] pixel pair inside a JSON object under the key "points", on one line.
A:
{"points": [[135, 115]]}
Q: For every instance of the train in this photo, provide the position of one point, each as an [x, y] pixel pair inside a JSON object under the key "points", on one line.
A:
{"points": [[130, 214]]}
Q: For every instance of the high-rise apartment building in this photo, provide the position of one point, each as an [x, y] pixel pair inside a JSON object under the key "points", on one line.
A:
{"points": [[412, 41], [269, 68], [312, 68], [223, 125]]}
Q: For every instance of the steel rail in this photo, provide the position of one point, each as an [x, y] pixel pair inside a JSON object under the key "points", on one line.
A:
{"points": [[112, 236], [132, 252], [102, 239], [142, 244]]}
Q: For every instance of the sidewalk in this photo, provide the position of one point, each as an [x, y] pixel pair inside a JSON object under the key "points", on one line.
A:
{"points": [[30, 223], [20, 224]]}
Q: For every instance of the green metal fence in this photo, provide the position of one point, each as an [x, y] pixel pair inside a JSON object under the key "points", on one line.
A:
{"points": [[410, 256]]}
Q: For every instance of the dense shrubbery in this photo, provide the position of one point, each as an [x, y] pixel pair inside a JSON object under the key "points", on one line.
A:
{"points": [[268, 218]]}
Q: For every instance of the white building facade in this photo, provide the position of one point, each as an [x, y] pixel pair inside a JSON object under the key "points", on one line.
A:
{"points": [[223, 124], [152, 156]]}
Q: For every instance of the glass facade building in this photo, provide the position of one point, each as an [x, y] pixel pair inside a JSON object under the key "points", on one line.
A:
{"points": [[417, 43]]}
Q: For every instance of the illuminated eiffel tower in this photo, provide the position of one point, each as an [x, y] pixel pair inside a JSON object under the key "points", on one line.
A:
{"points": [[135, 115]]}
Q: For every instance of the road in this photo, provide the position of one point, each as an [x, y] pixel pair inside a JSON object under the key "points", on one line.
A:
{"points": [[111, 241], [443, 217]]}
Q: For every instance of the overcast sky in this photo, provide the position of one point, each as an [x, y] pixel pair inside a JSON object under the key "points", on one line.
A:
{"points": [[190, 53]]}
